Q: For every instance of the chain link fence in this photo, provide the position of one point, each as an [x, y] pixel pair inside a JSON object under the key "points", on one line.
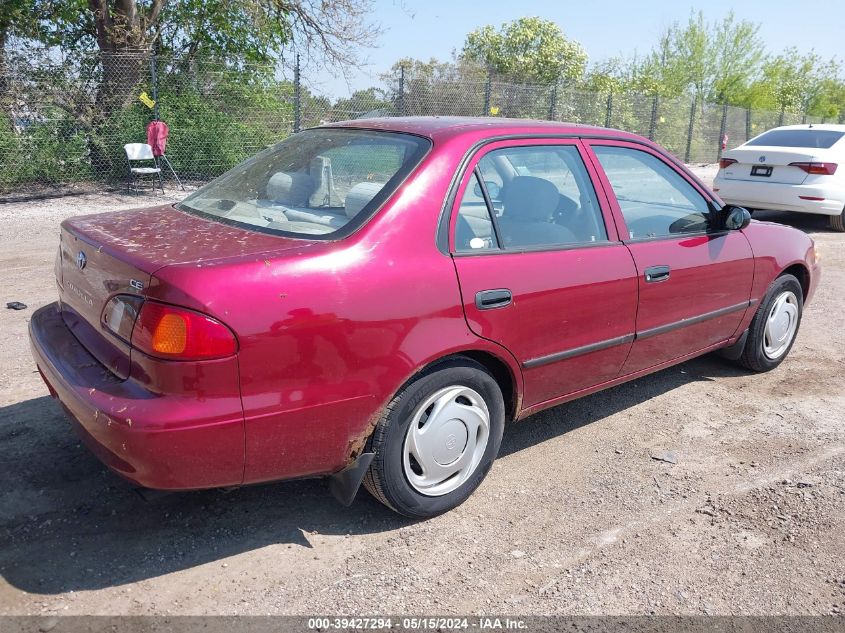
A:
{"points": [[65, 122]]}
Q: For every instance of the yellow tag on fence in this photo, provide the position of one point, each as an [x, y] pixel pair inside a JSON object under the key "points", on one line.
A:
{"points": [[145, 99], [494, 110]]}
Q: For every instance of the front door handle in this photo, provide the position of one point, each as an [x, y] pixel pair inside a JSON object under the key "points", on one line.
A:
{"points": [[489, 299], [656, 273]]}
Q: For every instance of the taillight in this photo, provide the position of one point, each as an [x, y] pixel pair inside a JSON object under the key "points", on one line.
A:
{"points": [[165, 331], [821, 169], [726, 162]]}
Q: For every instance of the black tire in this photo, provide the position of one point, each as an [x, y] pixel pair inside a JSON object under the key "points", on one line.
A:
{"points": [[753, 355], [837, 222], [386, 479]]}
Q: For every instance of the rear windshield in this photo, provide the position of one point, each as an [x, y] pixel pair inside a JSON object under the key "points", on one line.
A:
{"points": [[820, 139], [320, 182]]}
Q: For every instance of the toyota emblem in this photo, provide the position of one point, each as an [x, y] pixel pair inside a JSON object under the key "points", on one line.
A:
{"points": [[81, 260]]}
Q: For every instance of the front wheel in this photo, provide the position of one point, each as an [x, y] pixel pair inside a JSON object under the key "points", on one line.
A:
{"points": [[775, 325], [437, 439]]}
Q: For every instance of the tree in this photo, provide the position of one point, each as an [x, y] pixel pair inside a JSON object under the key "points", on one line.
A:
{"points": [[792, 82], [714, 61], [245, 35], [237, 33], [16, 20], [612, 75], [530, 48]]}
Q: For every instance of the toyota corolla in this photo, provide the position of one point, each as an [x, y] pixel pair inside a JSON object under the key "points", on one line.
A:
{"points": [[373, 301]]}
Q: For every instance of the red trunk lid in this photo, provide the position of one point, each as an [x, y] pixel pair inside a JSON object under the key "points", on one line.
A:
{"points": [[117, 253]]}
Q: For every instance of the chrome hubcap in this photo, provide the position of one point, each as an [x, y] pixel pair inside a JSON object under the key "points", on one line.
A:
{"points": [[446, 440], [781, 325]]}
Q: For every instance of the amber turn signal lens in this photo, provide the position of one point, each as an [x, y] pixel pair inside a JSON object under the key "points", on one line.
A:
{"points": [[170, 335]]}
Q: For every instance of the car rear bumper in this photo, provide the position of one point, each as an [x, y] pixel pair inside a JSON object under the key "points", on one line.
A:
{"points": [[156, 441], [781, 197]]}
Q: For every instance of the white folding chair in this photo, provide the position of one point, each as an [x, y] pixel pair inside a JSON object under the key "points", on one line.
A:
{"points": [[138, 153]]}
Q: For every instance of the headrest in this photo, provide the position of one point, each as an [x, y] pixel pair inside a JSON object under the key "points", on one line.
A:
{"points": [[290, 187], [359, 197], [530, 198]]}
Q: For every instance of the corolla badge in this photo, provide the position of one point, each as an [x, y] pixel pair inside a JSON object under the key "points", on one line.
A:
{"points": [[762, 159], [84, 296], [81, 260]]}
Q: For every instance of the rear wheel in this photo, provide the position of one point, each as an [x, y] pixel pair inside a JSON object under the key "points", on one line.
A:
{"points": [[837, 222], [437, 439], [774, 327]]}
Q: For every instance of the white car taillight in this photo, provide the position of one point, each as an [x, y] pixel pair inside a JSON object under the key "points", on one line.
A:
{"points": [[820, 169]]}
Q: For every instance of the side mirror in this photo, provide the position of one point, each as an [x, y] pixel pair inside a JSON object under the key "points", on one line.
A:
{"points": [[736, 218]]}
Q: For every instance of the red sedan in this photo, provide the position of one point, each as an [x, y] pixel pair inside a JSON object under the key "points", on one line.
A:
{"points": [[374, 300]]}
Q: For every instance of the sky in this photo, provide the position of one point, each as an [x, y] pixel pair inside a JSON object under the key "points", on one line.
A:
{"points": [[605, 28]]}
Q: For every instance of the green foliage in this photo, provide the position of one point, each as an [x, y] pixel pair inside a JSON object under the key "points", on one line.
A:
{"points": [[53, 150], [213, 126], [714, 61], [238, 32], [531, 48], [215, 123], [607, 76], [796, 83]]}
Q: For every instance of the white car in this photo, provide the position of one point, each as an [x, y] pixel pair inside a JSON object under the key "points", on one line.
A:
{"points": [[792, 168]]}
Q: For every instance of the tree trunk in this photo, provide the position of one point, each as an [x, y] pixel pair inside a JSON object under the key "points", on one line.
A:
{"points": [[124, 58]]}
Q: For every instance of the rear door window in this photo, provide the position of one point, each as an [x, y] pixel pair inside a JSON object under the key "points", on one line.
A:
{"points": [[541, 196]]}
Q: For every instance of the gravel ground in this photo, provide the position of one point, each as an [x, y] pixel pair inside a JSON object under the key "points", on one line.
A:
{"points": [[576, 517]]}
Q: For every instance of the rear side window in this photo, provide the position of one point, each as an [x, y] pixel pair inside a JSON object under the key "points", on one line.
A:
{"points": [[818, 139], [655, 200]]}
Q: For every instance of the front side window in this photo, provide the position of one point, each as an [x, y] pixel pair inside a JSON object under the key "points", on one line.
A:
{"points": [[315, 183], [541, 196], [656, 201]]}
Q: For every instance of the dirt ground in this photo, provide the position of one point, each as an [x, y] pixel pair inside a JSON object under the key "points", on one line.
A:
{"points": [[576, 517]]}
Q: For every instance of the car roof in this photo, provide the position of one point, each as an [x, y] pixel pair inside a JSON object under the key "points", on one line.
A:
{"points": [[445, 127]]}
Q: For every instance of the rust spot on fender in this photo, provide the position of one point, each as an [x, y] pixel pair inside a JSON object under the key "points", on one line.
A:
{"points": [[357, 444]]}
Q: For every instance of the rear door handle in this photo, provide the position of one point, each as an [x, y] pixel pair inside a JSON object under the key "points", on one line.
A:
{"points": [[656, 273], [489, 299]]}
